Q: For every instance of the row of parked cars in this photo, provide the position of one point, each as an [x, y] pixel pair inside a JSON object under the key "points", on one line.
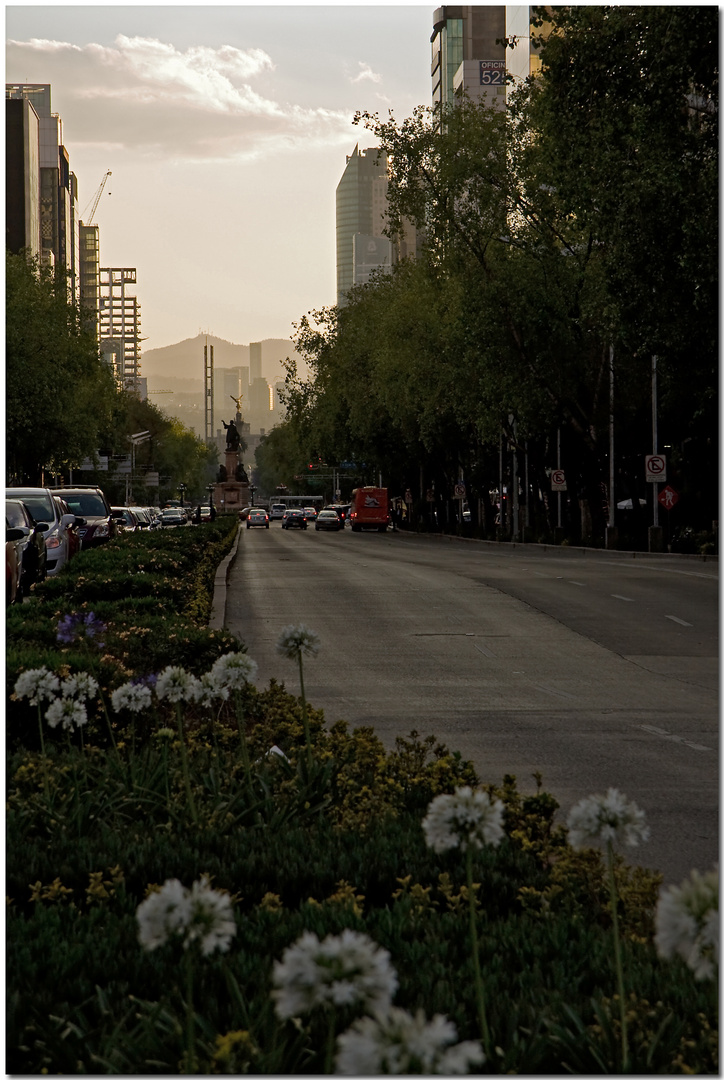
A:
{"points": [[45, 527]]}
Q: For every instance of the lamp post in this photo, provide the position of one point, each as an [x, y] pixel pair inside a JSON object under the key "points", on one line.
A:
{"points": [[210, 489], [181, 489], [252, 489]]}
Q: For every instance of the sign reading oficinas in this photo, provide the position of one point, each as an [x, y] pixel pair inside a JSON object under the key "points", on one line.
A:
{"points": [[492, 72]]}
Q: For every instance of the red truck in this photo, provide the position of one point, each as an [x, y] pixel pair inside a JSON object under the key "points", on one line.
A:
{"points": [[370, 509]]}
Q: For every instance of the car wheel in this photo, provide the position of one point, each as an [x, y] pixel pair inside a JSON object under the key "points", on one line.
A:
{"points": [[248, 525], [267, 525]]}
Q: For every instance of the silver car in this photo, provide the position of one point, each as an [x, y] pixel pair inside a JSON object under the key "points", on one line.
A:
{"points": [[52, 522]]}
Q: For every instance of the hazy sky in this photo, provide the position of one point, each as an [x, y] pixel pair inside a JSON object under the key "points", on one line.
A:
{"points": [[226, 129]]}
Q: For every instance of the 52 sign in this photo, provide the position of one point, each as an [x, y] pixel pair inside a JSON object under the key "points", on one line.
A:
{"points": [[492, 72]]}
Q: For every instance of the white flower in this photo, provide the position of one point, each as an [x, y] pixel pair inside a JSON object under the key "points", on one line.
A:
{"points": [[295, 640], [198, 914], [607, 817], [67, 710], [80, 686], [233, 671], [466, 819], [211, 919], [132, 696], [208, 693], [687, 923], [346, 970], [176, 684], [37, 685], [397, 1043], [163, 914]]}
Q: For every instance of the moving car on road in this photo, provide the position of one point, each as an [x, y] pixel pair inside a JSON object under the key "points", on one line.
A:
{"points": [[294, 519], [276, 512], [310, 513], [257, 517], [174, 516], [328, 519]]}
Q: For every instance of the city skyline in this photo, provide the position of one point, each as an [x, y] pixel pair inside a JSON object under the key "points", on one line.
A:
{"points": [[226, 130]]}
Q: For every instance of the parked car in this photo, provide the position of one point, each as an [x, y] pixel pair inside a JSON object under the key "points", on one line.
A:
{"points": [[174, 516], [294, 519], [257, 517], [328, 519], [310, 513], [13, 570], [276, 512], [54, 519], [100, 523], [22, 529], [127, 518]]}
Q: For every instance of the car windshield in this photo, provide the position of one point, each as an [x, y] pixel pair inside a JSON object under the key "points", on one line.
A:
{"points": [[86, 505], [14, 515], [40, 506]]}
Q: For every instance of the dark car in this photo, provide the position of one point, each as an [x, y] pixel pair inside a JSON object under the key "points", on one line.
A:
{"points": [[257, 517], [54, 519], [294, 519], [22, 529], [173, 516], [328, 519], [99, 523], [341, 509]]}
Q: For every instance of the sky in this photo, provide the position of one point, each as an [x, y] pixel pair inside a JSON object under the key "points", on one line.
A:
{"points": [[226, 130]]}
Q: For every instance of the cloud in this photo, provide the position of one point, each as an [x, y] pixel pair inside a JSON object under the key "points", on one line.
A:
{"points": [[366, 73], [147, 95]]}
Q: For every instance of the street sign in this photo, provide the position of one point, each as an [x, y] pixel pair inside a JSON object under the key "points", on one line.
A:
{"points": [[459, 490], [656, 468], [408, 497], [492, 72], [668, 498], [558, 480]]}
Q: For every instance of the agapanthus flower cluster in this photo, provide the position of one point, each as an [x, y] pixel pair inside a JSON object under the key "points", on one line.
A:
{"points": [[687, 923], [233, 671], [37, 685], [466, 819], [398, 1044], [296, 640], [67, 711], [607, 818], [175, 684], [349, 969], [132, 696], [80, 687], [75, 628], [199, 914]]}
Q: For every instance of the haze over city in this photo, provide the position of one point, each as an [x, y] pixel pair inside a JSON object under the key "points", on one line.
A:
{"points": [[226, 131]]}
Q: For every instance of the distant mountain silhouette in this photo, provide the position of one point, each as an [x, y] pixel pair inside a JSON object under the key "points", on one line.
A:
{"points": [[185, 360]]}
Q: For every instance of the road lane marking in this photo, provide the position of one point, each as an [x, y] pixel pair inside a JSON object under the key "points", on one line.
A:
{"points": [[673, 738], [617, 596], [581, 583], [485, 652], [679, 621]]}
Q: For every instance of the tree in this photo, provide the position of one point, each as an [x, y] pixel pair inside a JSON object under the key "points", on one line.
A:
{"points": [[59, 394]]}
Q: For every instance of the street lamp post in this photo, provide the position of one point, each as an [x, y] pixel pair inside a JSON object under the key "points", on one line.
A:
{"points": [[181, 489], [210, 489]]}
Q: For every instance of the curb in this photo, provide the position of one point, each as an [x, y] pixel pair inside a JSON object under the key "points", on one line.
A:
{"points": [[564, 549], [217, 617]]}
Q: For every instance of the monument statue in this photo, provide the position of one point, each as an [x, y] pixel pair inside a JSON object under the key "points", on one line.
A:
{"points": [[237, 402], [240, 474], [233, 438]]}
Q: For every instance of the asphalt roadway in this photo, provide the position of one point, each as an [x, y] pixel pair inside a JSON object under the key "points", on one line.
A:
{"points": [[597, 669]]}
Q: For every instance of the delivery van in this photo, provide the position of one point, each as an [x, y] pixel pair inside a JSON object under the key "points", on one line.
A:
{"points": [[370, 509]]}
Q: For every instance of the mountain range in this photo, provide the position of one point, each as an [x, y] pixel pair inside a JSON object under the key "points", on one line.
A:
{"points": [[185, 360]]}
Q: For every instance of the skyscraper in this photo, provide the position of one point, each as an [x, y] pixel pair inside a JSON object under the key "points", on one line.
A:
{"points": [[468, 52], [361, 203], [120, 319], [22, 177]]}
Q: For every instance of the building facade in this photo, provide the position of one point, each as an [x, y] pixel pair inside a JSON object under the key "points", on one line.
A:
{"points": [[361, 208], [22, 178]]}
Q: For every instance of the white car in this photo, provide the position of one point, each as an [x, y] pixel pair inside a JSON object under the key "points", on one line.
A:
{"points": [[52, 522], [276, 511]]}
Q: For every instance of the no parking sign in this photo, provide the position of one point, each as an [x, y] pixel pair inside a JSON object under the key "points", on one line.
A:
{"points": [[558, 480]]}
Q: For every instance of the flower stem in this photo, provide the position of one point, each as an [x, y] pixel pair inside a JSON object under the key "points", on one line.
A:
{"points": [[305, 718], [190, 1056], [185, 764], [484, 1031], [329, 1054], [42, 751], [617, 955], [242, 735]]}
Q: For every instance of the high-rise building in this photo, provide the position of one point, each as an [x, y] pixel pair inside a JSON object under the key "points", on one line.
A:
{"points": [[361, 209], [89, 275], [254, 361], [468, 53], [58, 186], [22, 177], [120, 326]]}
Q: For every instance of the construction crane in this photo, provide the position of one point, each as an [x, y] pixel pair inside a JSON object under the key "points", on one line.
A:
{"points": [[97, 198]]}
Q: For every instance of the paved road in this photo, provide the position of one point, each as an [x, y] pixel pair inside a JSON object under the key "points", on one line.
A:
{"points": [[597, 670]]}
